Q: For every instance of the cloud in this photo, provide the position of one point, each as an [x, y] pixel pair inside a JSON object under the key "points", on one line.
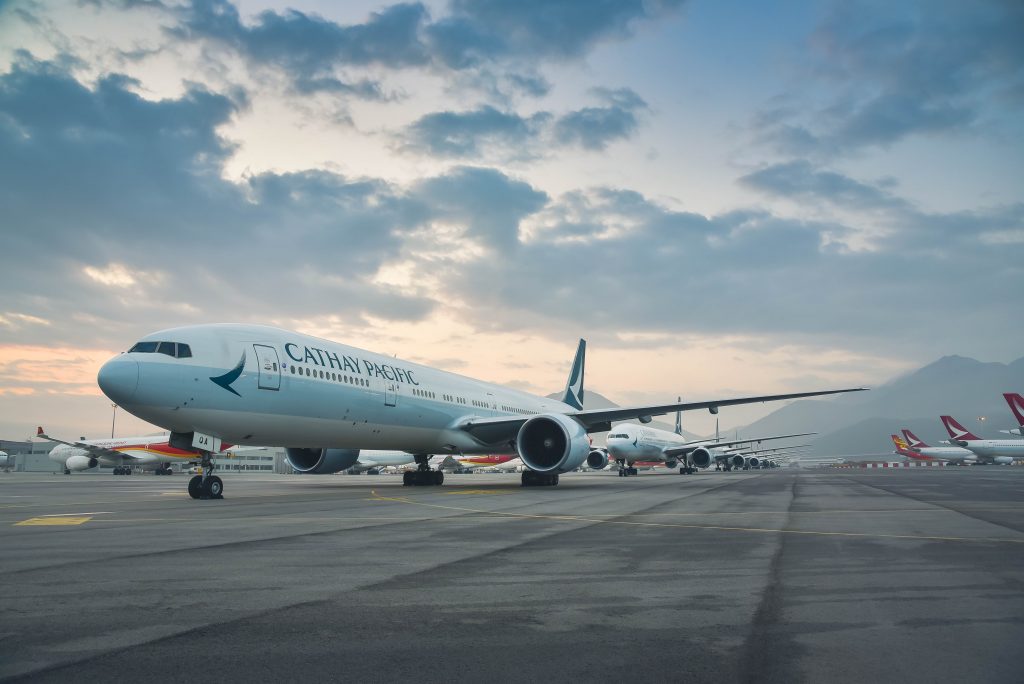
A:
{"points": [[594, 128], [799, 179], [923, 68], [467, 134], [487, 133]]}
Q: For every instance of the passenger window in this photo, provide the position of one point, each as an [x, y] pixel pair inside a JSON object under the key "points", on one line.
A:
{"points": [[184, 351], [166, 348], [144, 347]]}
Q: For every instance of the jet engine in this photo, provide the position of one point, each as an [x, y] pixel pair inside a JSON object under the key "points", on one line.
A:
{"points": [[753, 462], [552, 443], [670, 464], [702, 457], [597, 459], [736, 461], [1003, 460], [80, 462], [321, 461]]}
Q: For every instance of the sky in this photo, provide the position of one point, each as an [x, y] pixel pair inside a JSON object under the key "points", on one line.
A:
{"points": [[723, 199]]}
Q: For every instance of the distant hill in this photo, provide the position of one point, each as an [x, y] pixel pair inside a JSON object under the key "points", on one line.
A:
{"points": [[861, 423]]}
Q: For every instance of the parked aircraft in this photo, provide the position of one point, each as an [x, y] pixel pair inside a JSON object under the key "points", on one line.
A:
{"points": [[1001, 451], [924, 452], [122, 454], [324, 401]]}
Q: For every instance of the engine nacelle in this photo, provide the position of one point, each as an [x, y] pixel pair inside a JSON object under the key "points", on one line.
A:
{"points": [[79, 462], [736, 461], [1003, 460], [754, 462], [552, 443], [671, 464], [321, 461], [702, 457], [597, 459]]}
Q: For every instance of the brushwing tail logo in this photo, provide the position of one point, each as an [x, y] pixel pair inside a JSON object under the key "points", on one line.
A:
{"points": [[956, 431], [900, 444], [232, 375], [913, 439], [1016, 403], [574, 387]]}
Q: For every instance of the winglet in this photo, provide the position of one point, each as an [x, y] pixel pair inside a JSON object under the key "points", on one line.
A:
{"points": [[574, 385], [957, 432], [1016, 403], [39, 431], [913, 440]]}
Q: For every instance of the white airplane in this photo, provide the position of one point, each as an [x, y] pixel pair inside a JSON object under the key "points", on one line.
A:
{"points": [[629, 443], [5, 460], [914, 448], [122, 454], [1001, 451], [324, 401]]}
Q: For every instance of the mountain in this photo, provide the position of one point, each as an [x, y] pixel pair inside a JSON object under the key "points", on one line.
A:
{"points": [[861, 423]]}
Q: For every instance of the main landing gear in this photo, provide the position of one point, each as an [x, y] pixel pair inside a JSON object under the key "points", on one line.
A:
{"points": [[123, 470], [165, 470], [423, 476], [687, 470], [532, 478], [207, 485], [626, 471]]}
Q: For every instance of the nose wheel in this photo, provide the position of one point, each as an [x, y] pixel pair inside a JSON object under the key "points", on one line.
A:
{"points": [[207, 485]]}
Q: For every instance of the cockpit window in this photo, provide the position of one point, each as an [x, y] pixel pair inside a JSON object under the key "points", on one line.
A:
{"points": [[176, 349]]}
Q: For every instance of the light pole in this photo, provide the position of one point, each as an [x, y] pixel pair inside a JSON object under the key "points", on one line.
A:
{"points": [[112, 421]]}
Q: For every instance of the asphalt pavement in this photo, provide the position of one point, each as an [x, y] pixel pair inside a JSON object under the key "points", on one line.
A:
{"points": [[910, 575]]}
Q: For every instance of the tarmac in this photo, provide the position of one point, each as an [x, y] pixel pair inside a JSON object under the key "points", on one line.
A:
{"points": [[912, 575]]}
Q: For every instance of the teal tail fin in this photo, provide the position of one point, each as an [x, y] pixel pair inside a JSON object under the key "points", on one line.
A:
{"points": [[574, 386]]}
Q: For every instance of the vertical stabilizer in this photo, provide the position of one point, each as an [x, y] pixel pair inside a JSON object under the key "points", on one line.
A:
{"points": [[1016, 403], [913, 440], [574, 385], [679, 418], [957, 432]]}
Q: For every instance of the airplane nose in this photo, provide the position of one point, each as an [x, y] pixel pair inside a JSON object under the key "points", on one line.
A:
{"points": [[119, 378]]}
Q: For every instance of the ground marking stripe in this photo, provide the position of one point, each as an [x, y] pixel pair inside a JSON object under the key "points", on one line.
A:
{"points": [[53, 521], [573, 518]]}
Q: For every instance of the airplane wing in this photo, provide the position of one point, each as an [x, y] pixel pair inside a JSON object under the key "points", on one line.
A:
{"points": [[687, 448], [92, 449], [504, 428]]}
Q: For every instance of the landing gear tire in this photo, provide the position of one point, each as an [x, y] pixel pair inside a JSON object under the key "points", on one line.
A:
{"points": [[67, 471], [535, 479], [213, 488], [407, 479], [195, 486]]}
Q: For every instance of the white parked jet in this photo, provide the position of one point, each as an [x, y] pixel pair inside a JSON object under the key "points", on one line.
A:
{"points": [[1001, 451], [324, 401], [123, 454]]}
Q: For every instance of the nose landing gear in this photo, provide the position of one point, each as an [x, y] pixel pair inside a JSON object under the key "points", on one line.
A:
{"points": [[207, 485]]}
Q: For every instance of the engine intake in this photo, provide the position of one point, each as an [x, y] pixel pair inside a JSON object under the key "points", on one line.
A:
{"points": [[701, 457], [79, 462], [597, 459], [552, 443], [321, 461]]}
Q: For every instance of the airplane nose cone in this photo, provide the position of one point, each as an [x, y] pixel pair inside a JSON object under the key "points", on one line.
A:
{"points": [[119, 378]]}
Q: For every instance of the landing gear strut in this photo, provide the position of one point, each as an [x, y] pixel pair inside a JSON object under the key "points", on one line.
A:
{"points": [[122, 470], [165, 470], [626, 471], [532, 478], [423, 476], [207, 485]]}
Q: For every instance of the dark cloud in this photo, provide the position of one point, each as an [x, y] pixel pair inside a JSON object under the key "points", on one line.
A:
{"points": [[475, 34], [466, 134], [489, 133], [800, 180], [594, 128], [900, 70]]}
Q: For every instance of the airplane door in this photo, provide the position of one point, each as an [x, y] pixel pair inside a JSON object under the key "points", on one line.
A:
{"points": [[270, 368], [390, 393]]}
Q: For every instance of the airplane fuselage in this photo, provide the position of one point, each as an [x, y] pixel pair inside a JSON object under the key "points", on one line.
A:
{"points": [[261, 385]]}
